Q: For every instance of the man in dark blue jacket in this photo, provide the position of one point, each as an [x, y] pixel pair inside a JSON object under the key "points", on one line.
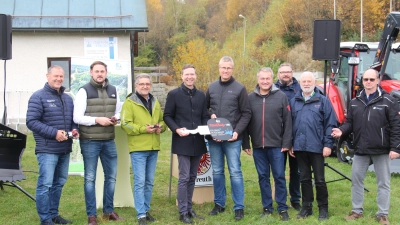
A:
{"points": [[50, 118], [313, 121], [289, 85]]}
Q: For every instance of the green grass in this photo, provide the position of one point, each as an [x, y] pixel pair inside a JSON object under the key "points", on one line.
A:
{"points": [[16, 208]]}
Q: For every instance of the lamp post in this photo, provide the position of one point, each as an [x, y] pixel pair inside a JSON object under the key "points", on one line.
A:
{"points": [[334, 9], [244, 36]]}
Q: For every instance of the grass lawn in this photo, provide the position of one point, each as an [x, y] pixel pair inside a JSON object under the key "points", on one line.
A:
{"points": [[16, 208]]}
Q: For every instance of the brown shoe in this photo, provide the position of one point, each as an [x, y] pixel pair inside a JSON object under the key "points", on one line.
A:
{"points": [[92, 220], [113, 216], [353, 216], [383, 220]]}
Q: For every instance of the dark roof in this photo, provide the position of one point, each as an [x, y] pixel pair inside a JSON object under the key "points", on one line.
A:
{"points": [[81, 15]]}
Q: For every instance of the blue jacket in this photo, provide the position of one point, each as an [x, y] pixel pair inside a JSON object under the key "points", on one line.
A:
{"points": [[290, 90], [48, 112], [313, 121]]}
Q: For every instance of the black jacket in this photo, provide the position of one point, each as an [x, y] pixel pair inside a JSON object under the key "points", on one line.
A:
{"points": [[185, 109], [271, 120], [230, 100], [375, 125]]}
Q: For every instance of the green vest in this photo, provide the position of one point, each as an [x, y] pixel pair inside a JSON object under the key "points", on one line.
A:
{"points": [[101, 102]]}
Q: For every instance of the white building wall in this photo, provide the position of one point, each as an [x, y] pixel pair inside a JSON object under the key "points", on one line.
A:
{"points": [[26, 71]]}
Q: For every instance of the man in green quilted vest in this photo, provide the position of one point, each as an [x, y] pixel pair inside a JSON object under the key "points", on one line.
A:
{"points": [[96, 110]]}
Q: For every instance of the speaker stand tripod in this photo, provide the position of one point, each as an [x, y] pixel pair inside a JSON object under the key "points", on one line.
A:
{"points": [[13, 184], [340, 173]]}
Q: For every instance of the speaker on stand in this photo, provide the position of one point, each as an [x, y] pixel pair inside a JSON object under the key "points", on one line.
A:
{"points": [[326, 42], [5, 51], [5, 37]]}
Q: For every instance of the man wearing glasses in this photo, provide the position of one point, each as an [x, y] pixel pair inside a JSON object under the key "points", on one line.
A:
{"points": [[373, 118], [227, 98], [142, 120], [289, 85]]}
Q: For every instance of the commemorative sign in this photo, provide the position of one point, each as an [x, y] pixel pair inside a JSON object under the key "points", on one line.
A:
{"points": [[220, 128]]}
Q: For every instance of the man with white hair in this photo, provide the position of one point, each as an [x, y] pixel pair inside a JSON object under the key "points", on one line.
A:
{"points": [[313, 120]]}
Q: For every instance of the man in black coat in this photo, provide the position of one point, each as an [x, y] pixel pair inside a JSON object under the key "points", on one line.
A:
{"points": [[373, 118], [186, 109]]}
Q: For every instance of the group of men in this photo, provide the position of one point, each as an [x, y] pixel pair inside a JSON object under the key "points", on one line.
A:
{"points": [[296, 119], [288, 119], [54, 118]]}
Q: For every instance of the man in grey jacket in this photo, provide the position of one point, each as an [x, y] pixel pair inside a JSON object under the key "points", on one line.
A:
{"points": [[228, 99], [270, 129]]}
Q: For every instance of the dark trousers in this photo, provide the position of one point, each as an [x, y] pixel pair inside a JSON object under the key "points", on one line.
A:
{"points": [[312, 163], [294, 181], [187, 178]]}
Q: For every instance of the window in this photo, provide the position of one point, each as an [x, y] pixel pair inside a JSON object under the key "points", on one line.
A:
{"points": [[65, 63]]}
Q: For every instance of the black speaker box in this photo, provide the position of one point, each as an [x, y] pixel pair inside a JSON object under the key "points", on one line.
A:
{"points": [[326, 40], [5, 36]]}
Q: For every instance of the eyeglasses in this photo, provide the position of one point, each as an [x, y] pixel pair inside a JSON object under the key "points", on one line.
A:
{"points": [[285, 71], [369, 79], [144, 84], [226, 68]]}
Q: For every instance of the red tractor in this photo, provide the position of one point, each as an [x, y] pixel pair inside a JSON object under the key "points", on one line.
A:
{"points": [[355, 58]]}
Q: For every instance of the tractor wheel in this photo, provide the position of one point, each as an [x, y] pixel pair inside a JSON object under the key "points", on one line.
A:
{"points": [[341, 152]]}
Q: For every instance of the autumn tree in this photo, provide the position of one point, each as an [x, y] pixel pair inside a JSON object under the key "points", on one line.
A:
{"points": [[200, 54]]}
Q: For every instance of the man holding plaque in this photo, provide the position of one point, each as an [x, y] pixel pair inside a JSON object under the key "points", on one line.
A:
{"points": [[185, 108], [227, 98], [270, 129]]}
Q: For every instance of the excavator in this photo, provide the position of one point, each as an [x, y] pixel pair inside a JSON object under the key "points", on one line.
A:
{"points": [[346, 75]]}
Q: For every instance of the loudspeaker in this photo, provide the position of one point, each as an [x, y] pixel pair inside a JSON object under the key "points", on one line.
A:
{"points": [[326, 40], [5, 36]]}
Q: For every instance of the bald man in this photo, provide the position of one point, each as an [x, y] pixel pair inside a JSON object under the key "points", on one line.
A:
{"points": [[373, 118]]}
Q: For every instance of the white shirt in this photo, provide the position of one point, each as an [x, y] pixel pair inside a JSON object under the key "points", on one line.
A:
{"points": [[80, 108]]}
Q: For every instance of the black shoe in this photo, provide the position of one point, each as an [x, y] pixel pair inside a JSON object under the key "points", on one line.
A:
{"points": [[217, 209], [59, 220], [192, 214], [47, 223], [185, 218], [266, 212], [284, 215], [296, 206], [142, 221], [323, 214], [149, 217], [239, 214], [304, 212]]}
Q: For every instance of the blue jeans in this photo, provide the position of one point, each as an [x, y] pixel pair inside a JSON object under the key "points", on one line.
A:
{"points": [[53, 173], [91, 151], [264, 159], [218, 152], [143, 168]]}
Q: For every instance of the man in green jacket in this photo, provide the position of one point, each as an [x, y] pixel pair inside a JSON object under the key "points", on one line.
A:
{"points": [[142, 120]]}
